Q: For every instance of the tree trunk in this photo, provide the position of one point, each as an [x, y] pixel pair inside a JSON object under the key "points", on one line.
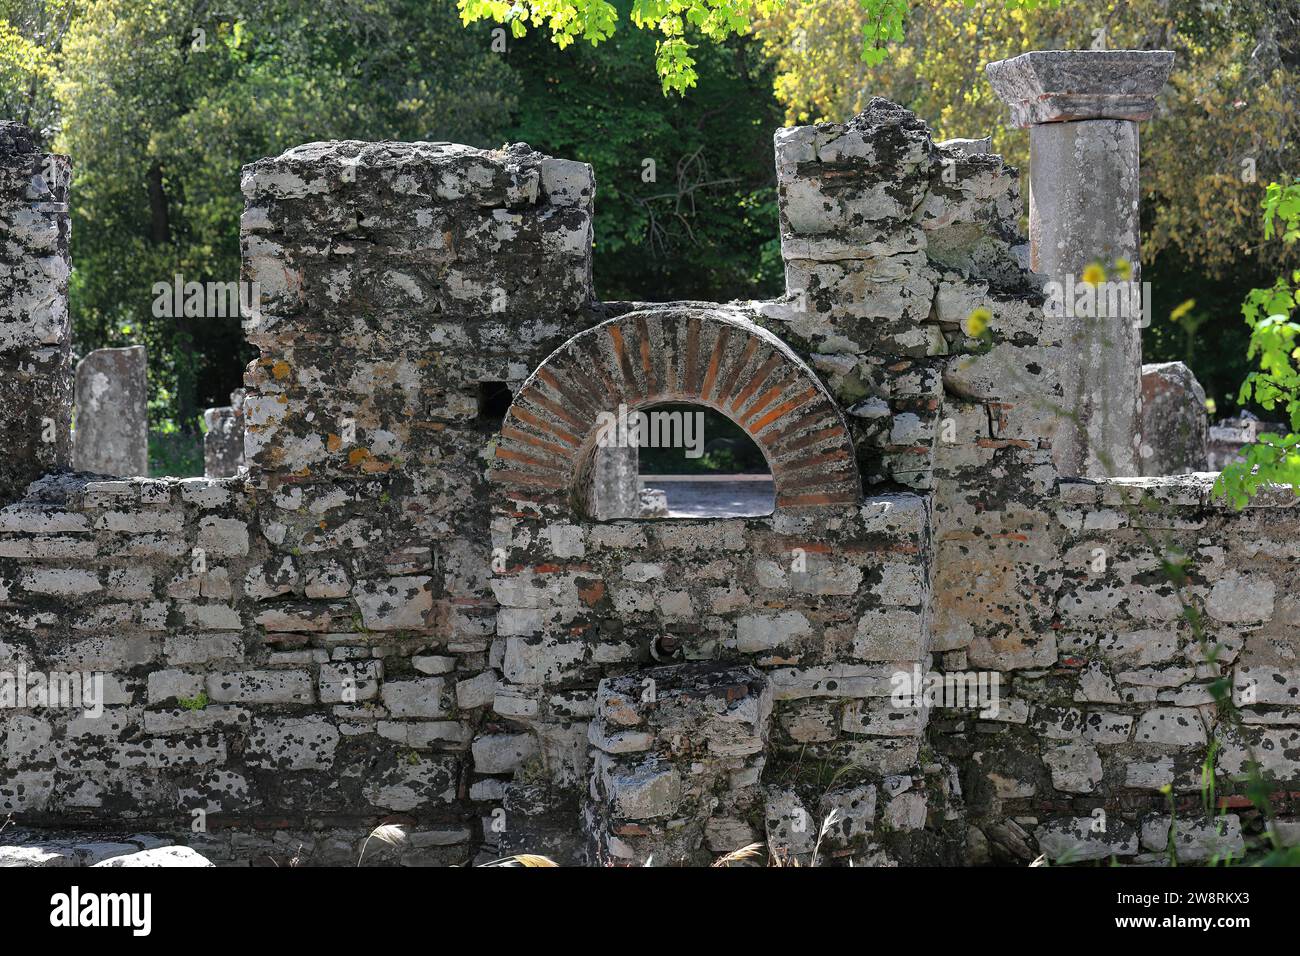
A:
{"points": [[159, 227]]}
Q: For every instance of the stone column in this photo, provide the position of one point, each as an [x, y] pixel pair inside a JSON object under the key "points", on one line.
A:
{"points": [[615, 485], [1082, 109], [112, 436], [35, 332]]}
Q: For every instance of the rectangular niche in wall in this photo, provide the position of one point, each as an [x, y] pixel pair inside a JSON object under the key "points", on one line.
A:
{"points": [[493, 402]]}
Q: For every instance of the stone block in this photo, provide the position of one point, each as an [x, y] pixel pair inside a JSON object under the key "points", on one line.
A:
{"points": [[292, 743], [502, 753], [112, 433]]}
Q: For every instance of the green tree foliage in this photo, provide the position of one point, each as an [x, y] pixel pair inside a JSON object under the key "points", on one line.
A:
{"points": [[595, 20], [685, 187], [163, 101], [31, 38], [673, 22], [1227, 125], [1275, 343]]}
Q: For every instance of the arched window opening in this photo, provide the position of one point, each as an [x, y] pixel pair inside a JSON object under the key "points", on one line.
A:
{"points": [[678, 460], [662, 362]]}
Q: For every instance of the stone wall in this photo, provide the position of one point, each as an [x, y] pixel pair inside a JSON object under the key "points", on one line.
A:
{"points": [[35, 328], [254, 688], [1120, 704], [890, 242], [317, 617], [824, 606], [404, 612]]}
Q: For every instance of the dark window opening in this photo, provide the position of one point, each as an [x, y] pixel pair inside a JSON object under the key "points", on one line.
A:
{"points": [[494, 400]]}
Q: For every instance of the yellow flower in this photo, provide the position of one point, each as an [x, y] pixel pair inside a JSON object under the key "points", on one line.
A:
{"points": [[1094, 274], [1211, 406], [975, 323], [1124, 269], [1182, 309]]}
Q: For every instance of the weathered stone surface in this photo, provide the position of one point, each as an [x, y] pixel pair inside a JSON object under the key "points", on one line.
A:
{"points": [[1242, 598], [790, 828], [35, 326], [726, 835], [855, 814], [615, 487], [1275, 752], [765, 632], [1056, 86], [973, 147], [1175, 726], [890, 634], [1174, 423], [645, 727], [643, 792], [261, 687], [1082, 107], [503, 753], [1075, 165], [1076, 767], [1082, 839], [112, 433], [422, 697], [25, 847], [349, 683], [223, 442], [221, 537], [906, 811], [476, 691], [293, 743], [1196, 841], [410, 784], [1253, 685], [158, 856], [393, 604]]}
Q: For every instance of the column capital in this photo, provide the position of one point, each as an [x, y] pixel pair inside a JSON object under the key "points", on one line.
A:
{"points": [[1055, 86]]}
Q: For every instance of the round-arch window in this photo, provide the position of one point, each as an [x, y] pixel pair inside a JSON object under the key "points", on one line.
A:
{"points": [[678, 460]]}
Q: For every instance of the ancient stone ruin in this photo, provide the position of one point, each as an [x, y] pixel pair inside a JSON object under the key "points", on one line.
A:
{"points": [[953, 633], [223, 442], [1175, 429], [111, 435]]}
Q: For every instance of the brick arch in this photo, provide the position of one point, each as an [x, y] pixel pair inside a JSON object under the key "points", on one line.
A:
{"points": [[655, 356]]}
